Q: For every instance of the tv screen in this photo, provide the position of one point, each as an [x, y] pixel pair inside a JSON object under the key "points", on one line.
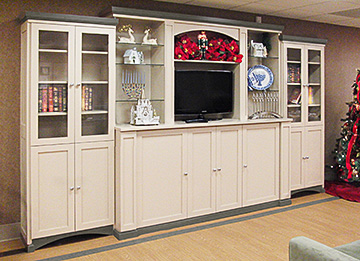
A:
{"points": [[203, 92]]}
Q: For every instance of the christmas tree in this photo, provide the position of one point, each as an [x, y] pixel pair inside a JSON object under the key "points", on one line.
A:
{"points": [[347, 151]]}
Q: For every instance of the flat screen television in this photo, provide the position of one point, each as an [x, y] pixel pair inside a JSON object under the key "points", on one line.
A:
{"points": [[202, 95]]}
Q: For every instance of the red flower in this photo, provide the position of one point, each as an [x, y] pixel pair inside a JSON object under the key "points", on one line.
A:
{"points": [[179, 54], [233, 47]]}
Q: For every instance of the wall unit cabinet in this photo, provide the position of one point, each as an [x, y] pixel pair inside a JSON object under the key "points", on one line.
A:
{"points": [[305, 90], [67, 121], [207, 170]]}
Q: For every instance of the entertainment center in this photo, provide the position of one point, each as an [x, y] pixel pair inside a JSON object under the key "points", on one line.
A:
{"points": [[233, 156]]}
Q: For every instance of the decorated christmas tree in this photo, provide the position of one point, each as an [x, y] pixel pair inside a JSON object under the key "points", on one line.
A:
{"points": [[347, 151]]}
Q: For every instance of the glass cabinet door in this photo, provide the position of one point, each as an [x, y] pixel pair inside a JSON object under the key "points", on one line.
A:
{"points": [[52, 82], [314, 85], [294, 83], [94, 84]]}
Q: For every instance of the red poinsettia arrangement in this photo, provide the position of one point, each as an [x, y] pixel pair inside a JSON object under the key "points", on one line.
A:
{"points": [[218, 50]]}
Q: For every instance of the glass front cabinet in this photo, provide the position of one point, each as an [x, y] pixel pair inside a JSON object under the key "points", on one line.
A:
{"points": [[71, 84], [304, 82], [67, 122]]}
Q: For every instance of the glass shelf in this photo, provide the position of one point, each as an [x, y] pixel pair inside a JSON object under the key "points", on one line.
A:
{"points": [[135, 100], [51, 114], [268, 57], [141, 64], [139, 44]]}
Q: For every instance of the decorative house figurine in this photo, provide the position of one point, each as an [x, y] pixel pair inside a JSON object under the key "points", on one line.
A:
{"points": [[143, 113], [132, 56], [258, 49], [126, 28], [146, 39]]}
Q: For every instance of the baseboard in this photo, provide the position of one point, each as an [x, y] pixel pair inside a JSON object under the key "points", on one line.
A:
{"points": [[9, 232]]}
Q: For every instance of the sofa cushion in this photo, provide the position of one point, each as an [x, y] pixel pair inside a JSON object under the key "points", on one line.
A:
{"points": [[351, 249]]}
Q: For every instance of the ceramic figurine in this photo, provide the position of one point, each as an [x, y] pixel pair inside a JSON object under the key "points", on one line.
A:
{"points": [[132, 56], [146, 39], [131, 38]]}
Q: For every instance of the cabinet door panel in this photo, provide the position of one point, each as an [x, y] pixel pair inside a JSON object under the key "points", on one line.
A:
{"points": [[261, 164], [52, 192], [94, 185], [201, 185], [160, 183], [229, 181], [297, 178], [314, 170]]}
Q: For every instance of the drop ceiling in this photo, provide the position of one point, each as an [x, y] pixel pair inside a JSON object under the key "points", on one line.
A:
{"points": [[339, 12]]}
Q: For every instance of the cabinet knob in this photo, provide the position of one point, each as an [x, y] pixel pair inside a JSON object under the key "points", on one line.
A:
{"points": [[245, 165], [219, 169], [71, 188], [78, 85], [71, 85], [306, 157], [214, 169], [185, 173], [78, 187]]}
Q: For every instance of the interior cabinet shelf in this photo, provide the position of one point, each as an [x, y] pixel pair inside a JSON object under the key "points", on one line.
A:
{"points": [[95, 52], [52, 114], [140, 44], [141, 64], [52, 51], [268, 57], [94, 112], [134, 100]]}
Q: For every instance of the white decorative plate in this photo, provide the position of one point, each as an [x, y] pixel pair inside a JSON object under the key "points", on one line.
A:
{"points": [[260, 77]]}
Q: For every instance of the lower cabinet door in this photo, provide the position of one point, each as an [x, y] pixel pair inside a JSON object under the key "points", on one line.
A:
{"points": [[297, 158], [52, 190], [228, 168], [314, 159], [160, 179], [94, 184], [261, 163], [201, 171]]}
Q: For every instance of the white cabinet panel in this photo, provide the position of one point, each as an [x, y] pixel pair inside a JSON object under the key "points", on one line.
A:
{"points": [[201, 176], [261, 163], [160, 180], [229, 177], [52, 191], [297, 143], [315, 157], [94, 185]]}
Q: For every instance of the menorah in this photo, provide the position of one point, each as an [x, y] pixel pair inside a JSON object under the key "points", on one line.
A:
{"points": [[133, 83]]}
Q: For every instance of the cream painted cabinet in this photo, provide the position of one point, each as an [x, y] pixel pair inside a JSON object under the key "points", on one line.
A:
{"points": [[68, 196], [160, 182], [66, 126], [306, 157], [213, 169], [305, 87], [260, 163]]}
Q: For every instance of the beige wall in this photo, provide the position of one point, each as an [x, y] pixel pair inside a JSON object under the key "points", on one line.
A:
{"points": [[342, 58]]}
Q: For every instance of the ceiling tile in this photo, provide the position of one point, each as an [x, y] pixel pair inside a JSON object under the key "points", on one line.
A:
{"points": [[327, 18], [256, 8], [352, 23], [327, 7], [176, 1]]}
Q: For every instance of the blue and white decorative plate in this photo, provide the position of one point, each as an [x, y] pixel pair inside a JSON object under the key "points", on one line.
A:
{"points": [[260, 77]]}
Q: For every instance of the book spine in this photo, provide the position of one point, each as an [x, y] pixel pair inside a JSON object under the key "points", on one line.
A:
{"points": [[86, 98], [60, 99], [56, 98], [40, 98], [44, 99], [64, 97], [51, 101], [90, 99]]}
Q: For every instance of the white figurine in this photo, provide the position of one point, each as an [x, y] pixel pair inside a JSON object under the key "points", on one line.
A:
{"points": [[132, 56], [258, 49], [146, 39], [143, 113], [131, 39]]}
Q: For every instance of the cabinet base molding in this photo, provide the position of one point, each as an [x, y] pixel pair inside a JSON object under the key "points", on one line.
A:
{"points": [[40, 242], [318, 188], [200, 219]]}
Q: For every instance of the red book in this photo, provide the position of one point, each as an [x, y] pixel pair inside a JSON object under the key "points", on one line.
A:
{"points": [[51, 101]]}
